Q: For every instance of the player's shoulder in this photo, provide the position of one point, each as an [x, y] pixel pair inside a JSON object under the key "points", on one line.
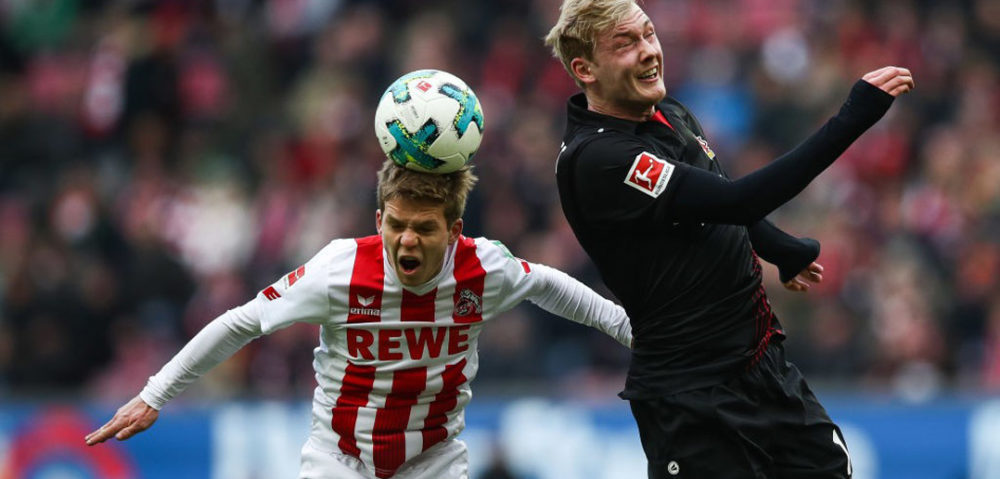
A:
{"points": [[495, 255], [489, 246], [341, 246], [674, 108], [605, 149], [344, 248], [490, 251]]}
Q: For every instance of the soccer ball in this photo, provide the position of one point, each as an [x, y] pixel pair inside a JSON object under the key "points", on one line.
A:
{"points": [[429, 121]]}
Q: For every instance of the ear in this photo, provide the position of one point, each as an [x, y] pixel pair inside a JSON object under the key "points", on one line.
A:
{"points": [[455, 232], [582, 69], [378, 221]]}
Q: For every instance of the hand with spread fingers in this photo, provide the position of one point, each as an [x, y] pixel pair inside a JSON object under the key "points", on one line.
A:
{"points": [[892, 80], [812, 274], [132, 418]]}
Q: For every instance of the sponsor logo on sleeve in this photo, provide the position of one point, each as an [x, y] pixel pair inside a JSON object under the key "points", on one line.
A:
{"points": [[270, 293], [295, 276], [649, 174]]}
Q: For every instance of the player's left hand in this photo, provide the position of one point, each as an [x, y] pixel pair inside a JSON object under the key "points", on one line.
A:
{"points": [[812, 274], [132, 418]]}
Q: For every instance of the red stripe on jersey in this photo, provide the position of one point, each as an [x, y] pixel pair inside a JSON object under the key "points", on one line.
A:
{"points": [[524, 264], [658, 116], [418, 308], [367, 281], [469, 280], [763, 316], [388, 434], [354, 390], [444, 402]]}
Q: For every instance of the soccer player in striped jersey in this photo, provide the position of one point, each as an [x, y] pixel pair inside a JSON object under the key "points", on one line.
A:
{"points": [[400, 315]]}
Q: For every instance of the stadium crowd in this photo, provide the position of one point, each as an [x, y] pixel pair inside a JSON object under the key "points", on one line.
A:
{"points": [[162, 161]]}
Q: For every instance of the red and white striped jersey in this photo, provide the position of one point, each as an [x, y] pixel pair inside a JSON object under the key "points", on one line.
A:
{"points": [[394, 363]]}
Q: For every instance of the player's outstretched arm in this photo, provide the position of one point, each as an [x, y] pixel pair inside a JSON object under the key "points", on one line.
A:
{"points": [[219, 340], [562, 295], [132, 418], [705, 197]]}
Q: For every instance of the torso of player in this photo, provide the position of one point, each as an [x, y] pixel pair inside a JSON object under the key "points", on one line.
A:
{"points": [[658, 270], [375, 321], [394, 364], [687, 303]]}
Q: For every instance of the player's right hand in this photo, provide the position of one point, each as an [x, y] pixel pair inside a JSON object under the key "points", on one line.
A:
{"points": [[892, 80], [132, 418]]}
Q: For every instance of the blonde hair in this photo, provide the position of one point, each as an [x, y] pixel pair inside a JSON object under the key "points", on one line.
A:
{"points": [[450, 189], [580, 21]]}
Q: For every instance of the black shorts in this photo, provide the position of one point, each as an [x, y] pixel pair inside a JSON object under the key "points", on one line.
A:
{"points": [[766, 423]]}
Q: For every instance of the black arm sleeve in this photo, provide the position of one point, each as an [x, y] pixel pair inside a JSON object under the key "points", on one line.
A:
{"points": [[705, 197], [790, 254]]}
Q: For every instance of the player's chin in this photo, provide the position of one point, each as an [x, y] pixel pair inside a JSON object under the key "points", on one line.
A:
{"points": [[652, 93]]}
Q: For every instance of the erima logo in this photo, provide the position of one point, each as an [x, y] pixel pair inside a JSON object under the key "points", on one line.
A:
{"points": [[365, 310]]}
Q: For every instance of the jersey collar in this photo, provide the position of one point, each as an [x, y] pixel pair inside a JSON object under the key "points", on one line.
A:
{"points": [[579, 114]]}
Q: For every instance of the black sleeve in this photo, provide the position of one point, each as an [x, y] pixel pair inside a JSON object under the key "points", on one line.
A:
{"points": [[790, 254], [705, 197]]}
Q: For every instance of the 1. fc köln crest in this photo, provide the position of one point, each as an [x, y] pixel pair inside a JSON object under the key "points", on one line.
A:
{"points": [[649, 174], [468, 303]]}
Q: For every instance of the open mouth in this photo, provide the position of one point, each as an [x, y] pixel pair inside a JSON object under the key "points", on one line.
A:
{"points": [[408, 264], [650, 74]]}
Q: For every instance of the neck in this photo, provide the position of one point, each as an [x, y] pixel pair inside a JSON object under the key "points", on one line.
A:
{"points": [[638, 114]]}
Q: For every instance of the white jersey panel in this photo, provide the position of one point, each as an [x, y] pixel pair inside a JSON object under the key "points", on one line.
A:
{"points": [[303, 295]]}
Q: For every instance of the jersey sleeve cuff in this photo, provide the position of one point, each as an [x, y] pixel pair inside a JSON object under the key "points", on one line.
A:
{"points": [[150, 398], [866, 103]]}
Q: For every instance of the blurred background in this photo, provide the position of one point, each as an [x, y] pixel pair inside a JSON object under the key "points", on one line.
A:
{"points": [[162, 161]]}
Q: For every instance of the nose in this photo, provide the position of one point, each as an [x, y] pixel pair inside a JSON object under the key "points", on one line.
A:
{"points": [[648, 47], [408, 239]]}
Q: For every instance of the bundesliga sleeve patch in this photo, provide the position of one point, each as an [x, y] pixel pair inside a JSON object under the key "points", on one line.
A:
{"points": [[649, 174]]}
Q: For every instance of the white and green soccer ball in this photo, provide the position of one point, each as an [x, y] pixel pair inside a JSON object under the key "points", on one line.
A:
{"points": [[429, 121]]}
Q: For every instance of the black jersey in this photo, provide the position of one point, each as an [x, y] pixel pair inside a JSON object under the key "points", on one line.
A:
{"points": [[675, 240], [692, 290]]}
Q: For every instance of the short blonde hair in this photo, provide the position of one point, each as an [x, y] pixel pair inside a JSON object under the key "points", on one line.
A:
{"points": [[450, 189], [580, 21]]}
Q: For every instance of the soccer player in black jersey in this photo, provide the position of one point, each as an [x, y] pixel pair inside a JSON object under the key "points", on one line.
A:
{"points": [[678, 243]]}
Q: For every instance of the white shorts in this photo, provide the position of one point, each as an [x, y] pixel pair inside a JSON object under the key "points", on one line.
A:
{"points": [[447, 460]]}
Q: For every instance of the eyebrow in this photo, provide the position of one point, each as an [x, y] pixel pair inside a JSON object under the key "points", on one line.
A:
{"points": [[416, 224], [626, 33], [425, 224]]}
